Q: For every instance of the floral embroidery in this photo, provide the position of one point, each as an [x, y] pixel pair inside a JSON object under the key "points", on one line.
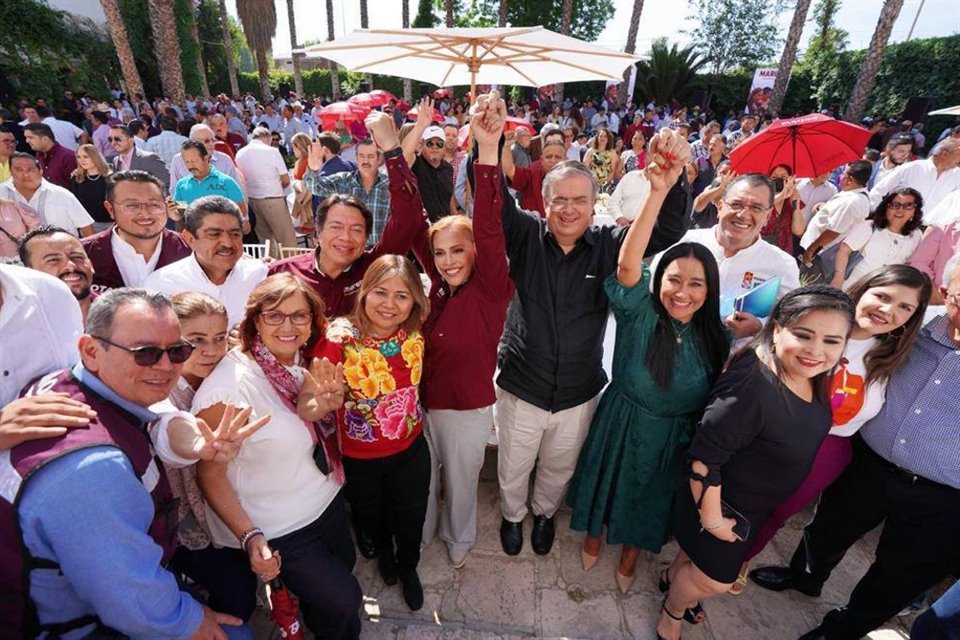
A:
{"points": [[412, 351], [357, 427], [399, 413], [367, 371]]}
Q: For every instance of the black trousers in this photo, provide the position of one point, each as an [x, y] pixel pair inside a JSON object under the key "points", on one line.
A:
{"points": [[919, 545], [389, 498], [224, 573]]}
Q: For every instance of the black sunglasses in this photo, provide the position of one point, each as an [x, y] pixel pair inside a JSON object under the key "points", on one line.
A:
{"points": [[149, 356], [433, 145], [115, 139]]}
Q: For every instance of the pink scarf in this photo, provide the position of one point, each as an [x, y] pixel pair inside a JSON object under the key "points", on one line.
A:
{"points": [[288, 388]]}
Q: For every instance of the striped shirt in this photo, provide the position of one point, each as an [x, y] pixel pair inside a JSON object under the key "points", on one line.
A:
{"points": [[166, 145], [349, 183], [918, 428]]}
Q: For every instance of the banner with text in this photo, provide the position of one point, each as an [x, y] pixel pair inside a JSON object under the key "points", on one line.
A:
{"points": [[761, 90]]}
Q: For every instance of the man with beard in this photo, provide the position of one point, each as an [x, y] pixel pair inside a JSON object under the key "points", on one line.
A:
{"points": [[212, 229], [56, 252], [138, 242], [897, 152], [434, 174], [365, 183], [207, 180]]}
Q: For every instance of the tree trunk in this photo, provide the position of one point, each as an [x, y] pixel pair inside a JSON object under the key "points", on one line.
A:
{"points": [[167, 49], [118, 33], [788, 57], [201, 68], [365, 24], [632, 47], [333, 66], [263, 71], [448, 6], [407, 85], [871, 64], [565, 30], [297, 75], [228, 49], [502, 14]]}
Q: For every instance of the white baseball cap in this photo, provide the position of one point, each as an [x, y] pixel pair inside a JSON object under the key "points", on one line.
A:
{"points": [[433, 131]]}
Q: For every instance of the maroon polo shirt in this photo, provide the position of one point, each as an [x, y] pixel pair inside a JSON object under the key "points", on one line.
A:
{"points": [[57, 164], [528, 181], [405, 220], [464, 328]]}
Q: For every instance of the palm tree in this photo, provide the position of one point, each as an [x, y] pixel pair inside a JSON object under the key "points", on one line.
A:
{"points": [[334, 67], [789, 56], [502, 14], [195, 36], [228, 49], [631, 46], [297, 75], [259, 20], [448, 6], [871, 63], [669, 73], [565, 21], [118, 33], [167, 49], [407, 85]]}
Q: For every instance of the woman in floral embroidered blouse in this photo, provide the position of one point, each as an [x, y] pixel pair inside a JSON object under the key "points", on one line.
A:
{"points": [[385, 456]]}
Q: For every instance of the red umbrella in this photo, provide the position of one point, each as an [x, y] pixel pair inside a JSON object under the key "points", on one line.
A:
{"points": [[437, 115], [383, 96], [511, 123], [365, 100], [341, 112], [811, 145]]}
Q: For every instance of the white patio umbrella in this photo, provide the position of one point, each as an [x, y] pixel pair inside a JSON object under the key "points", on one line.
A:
{"points": [[949, 111], [527, 56]]}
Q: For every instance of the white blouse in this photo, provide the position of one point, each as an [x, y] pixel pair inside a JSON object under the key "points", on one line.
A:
{"points": [[879, 247]]}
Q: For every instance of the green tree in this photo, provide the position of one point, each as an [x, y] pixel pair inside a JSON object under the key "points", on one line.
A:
{"points": [[822, 57], [589, 17], [735, 34], [259, 20], [670, 72], [426, 18]]}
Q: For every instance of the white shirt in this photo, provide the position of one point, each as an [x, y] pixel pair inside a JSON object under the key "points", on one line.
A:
{"points": [[274, 475], [40, 322], [628, 197], [133, 267], [839, 214], [922, 176], [852, 404], [879, 247], [944, 213], [64, 132], [188, 275], [810, 195], [262, 166], [573, 151], [55, 205], [746, 269]]}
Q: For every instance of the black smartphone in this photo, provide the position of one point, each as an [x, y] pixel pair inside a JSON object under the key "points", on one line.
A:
{"points": [[778, 185]]}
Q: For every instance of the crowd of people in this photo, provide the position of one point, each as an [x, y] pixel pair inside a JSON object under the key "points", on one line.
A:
{"points": [[178, 417]]}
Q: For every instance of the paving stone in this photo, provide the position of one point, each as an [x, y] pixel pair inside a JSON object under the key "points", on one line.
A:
{"points": [[499, 590], [571, 613]]}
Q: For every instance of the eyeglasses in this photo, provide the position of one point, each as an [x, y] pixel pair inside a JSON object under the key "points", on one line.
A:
{"points": [[275, 318], [737, 205], [562, 204], [953, 298], [902, 205], [115, 139], [137, 207], [433, 145], [149, 356]]}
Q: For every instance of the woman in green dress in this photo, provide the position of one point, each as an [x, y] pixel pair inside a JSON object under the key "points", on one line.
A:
{"points": [[670, 347]]}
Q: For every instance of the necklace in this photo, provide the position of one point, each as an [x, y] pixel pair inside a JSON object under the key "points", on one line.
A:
{"points": [[93, 178], [679, 334]]}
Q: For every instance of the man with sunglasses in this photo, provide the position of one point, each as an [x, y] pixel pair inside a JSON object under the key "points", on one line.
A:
{"points": [[744, 259], [434, 174], [130, 157], [76, 497]]}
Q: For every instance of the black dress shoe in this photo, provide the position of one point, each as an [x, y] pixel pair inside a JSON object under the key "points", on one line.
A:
{"points": [[388, 569], [783, 578], [365, 545], [541, 538], [412, 590], [511, 536], [816, 634]]}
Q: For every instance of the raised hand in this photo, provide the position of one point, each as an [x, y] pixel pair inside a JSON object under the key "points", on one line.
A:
{"points": [[383, 130], [315, 158], [669, 153], [424, 113], [487, 118], [322, 390], [219, 445]]}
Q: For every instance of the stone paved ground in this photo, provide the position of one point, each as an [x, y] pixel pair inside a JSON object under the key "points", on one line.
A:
{"points": [[499, 597]]}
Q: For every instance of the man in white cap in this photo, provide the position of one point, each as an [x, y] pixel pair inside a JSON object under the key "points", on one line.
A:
{"points": [[434, 174]]}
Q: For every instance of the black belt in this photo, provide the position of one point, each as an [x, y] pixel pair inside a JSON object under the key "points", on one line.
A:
{"points": [[904, 475]]}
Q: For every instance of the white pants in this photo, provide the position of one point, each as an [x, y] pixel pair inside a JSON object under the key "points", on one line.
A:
{"points": [[527, 433], [458, 441]]}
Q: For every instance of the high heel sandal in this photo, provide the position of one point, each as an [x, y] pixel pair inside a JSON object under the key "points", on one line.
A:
{"points": [[663, 608], [693, 615]]}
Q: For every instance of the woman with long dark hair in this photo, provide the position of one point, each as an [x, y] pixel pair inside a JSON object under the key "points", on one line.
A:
{"points": [[670, 348], [889, 236], [768, 414]]}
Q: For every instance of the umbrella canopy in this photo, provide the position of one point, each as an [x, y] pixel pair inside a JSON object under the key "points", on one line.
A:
{"points": [[365, 100], [342, 112], [949, 111], [811, 145], [438, 116], [528, 56], [383, 96]]}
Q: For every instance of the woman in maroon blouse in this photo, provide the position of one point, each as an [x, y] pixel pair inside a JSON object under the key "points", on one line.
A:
{"points": [[467, 264]]}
